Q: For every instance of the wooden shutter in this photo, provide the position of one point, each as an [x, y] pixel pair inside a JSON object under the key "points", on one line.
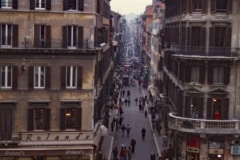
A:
{"points": [[200, 107], [228, 36], [226, 75], [48, 4], [62, 119], [210, 74], [209, 109], [189, 36], [225, 109], [47, 119], [187, 106], [63, 77], [80, 37], [48, 78], [15, 36], [213, 6], [15, 4], [30, 77], [212, 37], [80, 5], [32, 4], [79, 118], [95, 37], [64, 39], [48, 36], [65, 5], [80, 77], [229, 6], [188, 73], [30, 120], [15, 78], [190, 5], [204, 6], [202, 74], [36, 36], [203, 37], [0, 5]]}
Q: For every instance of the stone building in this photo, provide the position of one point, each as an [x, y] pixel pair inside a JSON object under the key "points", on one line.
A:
{"points": [[55, 63], [201, 78]]}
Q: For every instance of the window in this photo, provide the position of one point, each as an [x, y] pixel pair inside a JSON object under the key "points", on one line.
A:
{"points": [[220, 35], [42, 34], [196, 36], [218, 74], [6, 76], [6, 35], [70, 117], [40, 4], [221, 5], [38, 117], [73, 5], [197, 4], [6, 3], [71, 77], [73, 37], [195, 72], [39, 76]]}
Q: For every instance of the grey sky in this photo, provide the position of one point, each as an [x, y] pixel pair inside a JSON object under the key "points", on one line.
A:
{"points": [[129, 6]]}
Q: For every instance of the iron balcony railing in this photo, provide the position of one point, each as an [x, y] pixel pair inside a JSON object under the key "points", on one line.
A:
{"points": [[206, 126], [202, 51]]}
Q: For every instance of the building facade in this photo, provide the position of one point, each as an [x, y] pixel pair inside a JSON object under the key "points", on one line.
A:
{"points": [[55, 59], [201, 78]]}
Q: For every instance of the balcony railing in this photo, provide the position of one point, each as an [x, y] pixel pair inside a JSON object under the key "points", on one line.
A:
{"points": [[204, 126], [202, 51]]}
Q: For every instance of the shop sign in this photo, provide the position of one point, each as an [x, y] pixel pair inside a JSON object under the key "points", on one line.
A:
{"points": [[192, 149], [215, 151], [56, 136], [14, 153]]}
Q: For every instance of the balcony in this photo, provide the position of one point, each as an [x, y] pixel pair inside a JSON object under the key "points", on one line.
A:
{"points": [[203, 126], [202, 51]]}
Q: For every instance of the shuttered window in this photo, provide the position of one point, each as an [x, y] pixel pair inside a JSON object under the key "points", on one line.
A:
{"points": [[73, 5], [8, 35], [39, 77], [38, 117], [70, 117], [71, 77], [73, 37], [40, 4], [42, 36]]}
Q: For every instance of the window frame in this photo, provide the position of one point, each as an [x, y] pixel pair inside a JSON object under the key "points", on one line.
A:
{"points": [[39, 77], [195, 73], [6, 78], [218, 75], [221, 5], [8, 4], [38, 4], [6, 35], [71, 77]]}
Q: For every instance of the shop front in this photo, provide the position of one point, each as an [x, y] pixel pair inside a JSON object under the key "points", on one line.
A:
{"points": [[51, 146], [193, 147], [47, 153]]}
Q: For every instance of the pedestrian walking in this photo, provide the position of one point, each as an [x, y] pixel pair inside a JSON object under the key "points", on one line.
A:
{"points": [[136, 100], [115, 153], [152, 156], [140, 107], [128, 129], [143, 133], [133, 143], [122, 153], [123, 129], [129, 153]]}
